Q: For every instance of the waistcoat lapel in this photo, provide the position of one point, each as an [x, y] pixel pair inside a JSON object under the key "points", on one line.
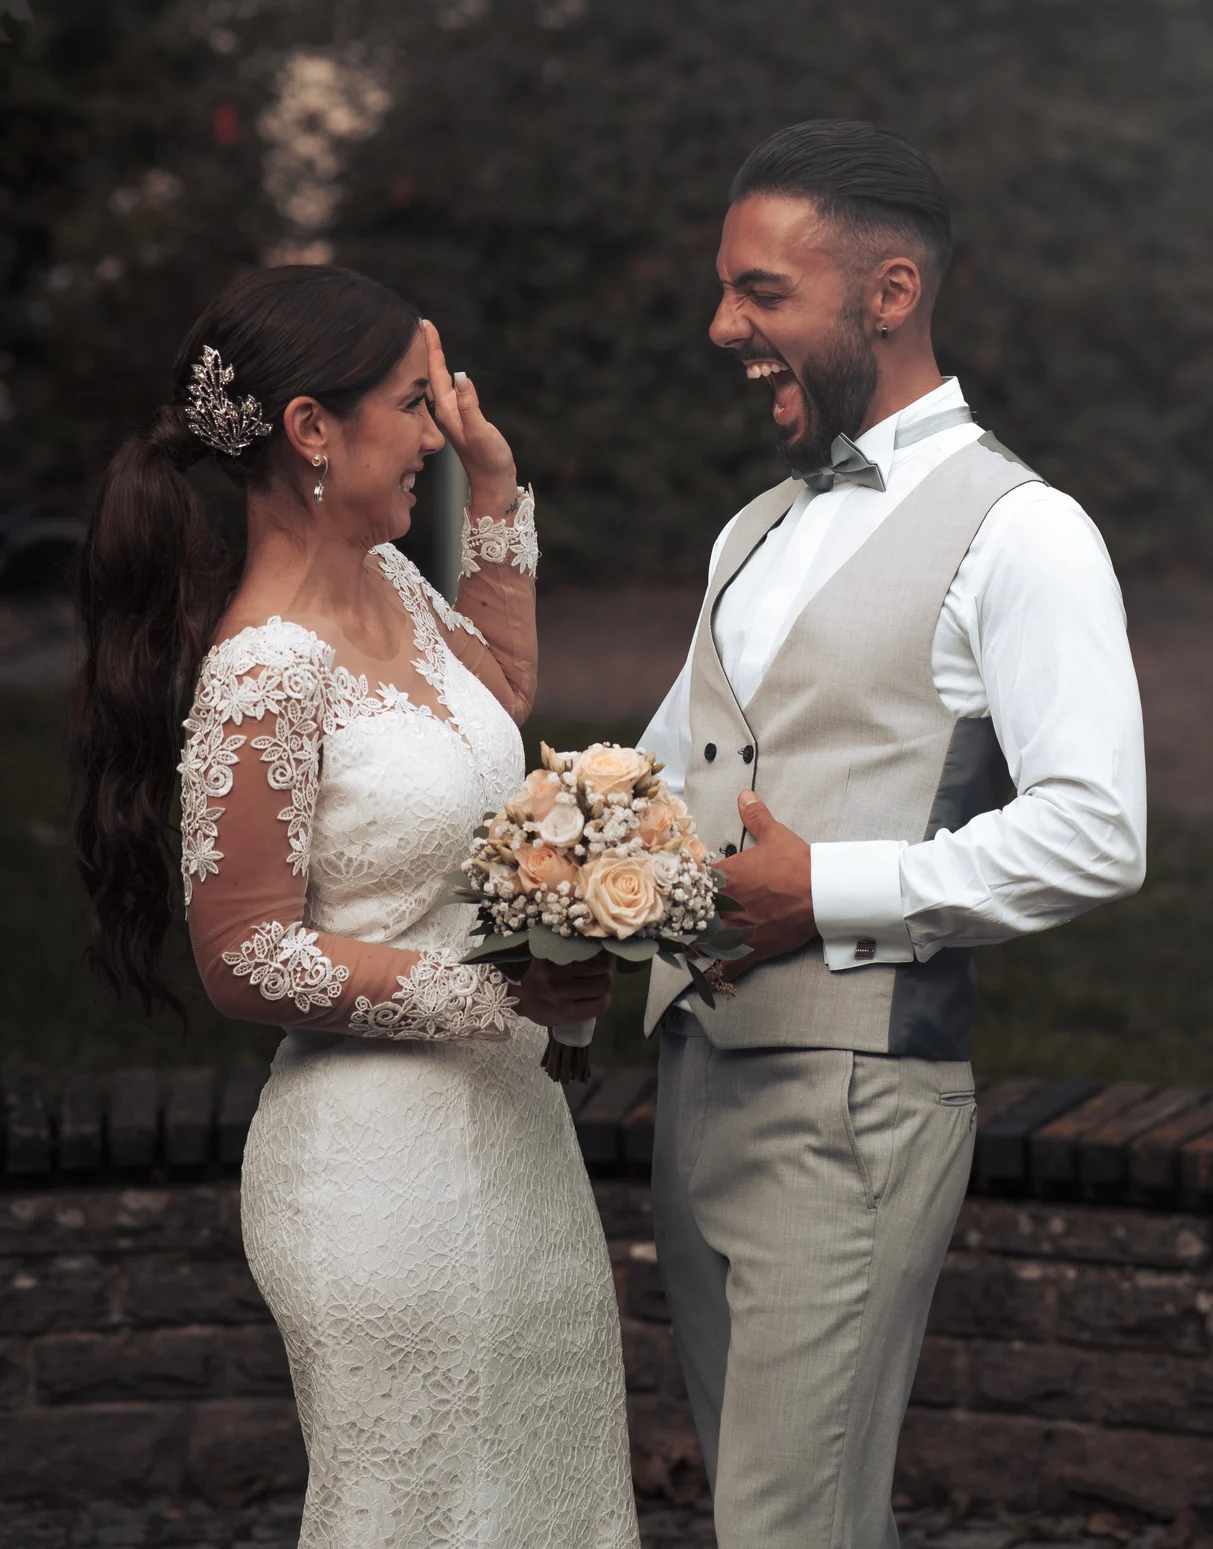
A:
{"points": [[751, 527]]}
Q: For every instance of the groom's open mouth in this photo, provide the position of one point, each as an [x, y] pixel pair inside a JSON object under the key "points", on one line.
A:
{"points": [[783, 382]]}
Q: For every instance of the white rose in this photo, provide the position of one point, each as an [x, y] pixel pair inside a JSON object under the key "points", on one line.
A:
{"points": [[562, 826], [665, 870]]}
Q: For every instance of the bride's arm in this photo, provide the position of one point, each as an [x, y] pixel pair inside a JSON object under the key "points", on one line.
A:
{"points": [[500, 550], [250, 773], [497, 595]]}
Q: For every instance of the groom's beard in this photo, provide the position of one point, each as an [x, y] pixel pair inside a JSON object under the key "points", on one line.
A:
{"points": [[836, 387]]}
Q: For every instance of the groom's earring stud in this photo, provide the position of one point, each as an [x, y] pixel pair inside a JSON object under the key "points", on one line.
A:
{"points": [[884, 330]]}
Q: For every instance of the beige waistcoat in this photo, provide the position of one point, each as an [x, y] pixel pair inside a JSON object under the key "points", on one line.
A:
{"points": [[848, 739]]}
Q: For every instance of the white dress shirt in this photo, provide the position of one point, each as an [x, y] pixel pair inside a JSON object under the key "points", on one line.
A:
{"points": [[1032, 634]]}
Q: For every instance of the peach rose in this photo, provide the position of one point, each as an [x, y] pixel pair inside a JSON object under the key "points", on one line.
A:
{"points": [[540, 865], [537, 796], [621, 893], [682, 815], [699, 850], [658, 822], [607, 771]]}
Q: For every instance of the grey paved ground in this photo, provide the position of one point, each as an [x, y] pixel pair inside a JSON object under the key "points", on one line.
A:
{"points": [[275, 1525]]}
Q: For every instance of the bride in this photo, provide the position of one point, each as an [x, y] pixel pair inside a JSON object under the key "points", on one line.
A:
{"points": [[415, 1210]]}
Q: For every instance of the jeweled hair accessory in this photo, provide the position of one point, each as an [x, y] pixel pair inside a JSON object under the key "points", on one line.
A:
{"points": [[224, 423]]}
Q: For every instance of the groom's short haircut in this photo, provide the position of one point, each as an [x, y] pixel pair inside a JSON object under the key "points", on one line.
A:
{"points": [[868, 180]]}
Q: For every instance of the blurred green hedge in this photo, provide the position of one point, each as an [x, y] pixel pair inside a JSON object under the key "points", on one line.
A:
{"points": [[549, 185], [1124, 993]]}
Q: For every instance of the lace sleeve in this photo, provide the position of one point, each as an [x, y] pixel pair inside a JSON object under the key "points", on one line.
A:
{"points": [[497, 594], [250, 774]]}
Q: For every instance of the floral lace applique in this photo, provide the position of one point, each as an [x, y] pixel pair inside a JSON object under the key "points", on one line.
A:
{"points": [[284, 963], [308, 698], [422, 603], [511, 539], [441, 998]]}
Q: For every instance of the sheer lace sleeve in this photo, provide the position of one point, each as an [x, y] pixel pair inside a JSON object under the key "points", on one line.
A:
{"points": [[497, 594], [249, 778]]}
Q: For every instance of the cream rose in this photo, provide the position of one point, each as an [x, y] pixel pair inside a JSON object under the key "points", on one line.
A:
{"points": [[621, 893], [607, 771], [539, 865], [538, 795], [563, 825]]}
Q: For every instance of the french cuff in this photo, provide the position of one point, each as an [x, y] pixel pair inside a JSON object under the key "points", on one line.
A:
{"points": [[857, 903]]}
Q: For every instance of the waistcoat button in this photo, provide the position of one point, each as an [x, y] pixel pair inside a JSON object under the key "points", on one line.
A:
{"points": [[729, 849], [747, 753], [710, 752]]}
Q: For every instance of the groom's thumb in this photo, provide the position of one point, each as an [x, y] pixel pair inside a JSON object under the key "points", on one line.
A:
{"points": [[755, 815]]}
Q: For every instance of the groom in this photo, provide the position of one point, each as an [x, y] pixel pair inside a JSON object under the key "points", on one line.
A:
{"points": [[910, 722]]}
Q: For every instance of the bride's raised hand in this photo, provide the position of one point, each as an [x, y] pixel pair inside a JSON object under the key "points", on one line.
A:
{"points": [[479, 445]]}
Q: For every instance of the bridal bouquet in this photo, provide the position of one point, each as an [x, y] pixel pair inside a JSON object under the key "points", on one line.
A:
{"points": [[595, 854]]}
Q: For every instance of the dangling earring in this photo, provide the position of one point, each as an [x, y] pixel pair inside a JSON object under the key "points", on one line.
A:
{"points": [[884, 330], [318, 492]]}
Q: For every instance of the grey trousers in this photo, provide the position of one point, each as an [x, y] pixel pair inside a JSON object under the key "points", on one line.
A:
{"points": [[803, 1202]]}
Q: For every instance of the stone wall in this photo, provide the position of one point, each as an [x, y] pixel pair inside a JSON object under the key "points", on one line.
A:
{"points": [[1069, 1358]]}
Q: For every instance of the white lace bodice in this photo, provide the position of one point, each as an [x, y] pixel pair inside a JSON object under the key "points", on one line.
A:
{"points": [[375, 796]]}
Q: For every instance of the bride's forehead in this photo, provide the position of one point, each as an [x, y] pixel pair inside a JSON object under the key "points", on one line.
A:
{"points": [[410, 370]]}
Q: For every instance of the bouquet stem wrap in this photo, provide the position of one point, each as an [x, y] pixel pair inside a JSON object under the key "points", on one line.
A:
{"points": [[567, 1057]]}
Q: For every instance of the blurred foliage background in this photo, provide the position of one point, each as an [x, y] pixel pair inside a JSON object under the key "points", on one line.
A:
{"points": [[545, 178]]}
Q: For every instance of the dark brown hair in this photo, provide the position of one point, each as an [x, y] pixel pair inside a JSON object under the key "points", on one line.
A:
{"points": [[869, 179], [156, 574]]}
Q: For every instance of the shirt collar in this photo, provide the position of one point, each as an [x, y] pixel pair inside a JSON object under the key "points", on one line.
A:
{"points": [[876, 444]]}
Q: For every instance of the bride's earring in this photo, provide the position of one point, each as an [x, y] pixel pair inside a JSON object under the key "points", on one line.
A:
{"points": [[318, 492]]}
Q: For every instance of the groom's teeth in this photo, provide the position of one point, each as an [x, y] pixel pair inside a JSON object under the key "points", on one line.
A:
{"points": [[407, 481]]}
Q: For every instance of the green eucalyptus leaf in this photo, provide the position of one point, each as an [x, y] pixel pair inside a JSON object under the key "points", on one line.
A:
{"points": [[701, 985], [635, 951], [497, 946], [730, 954], [670, 959], [547, 944], [727, 905], [734, 936]]}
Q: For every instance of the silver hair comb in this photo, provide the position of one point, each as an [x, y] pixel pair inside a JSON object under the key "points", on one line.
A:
{"points": [[226, 424]]}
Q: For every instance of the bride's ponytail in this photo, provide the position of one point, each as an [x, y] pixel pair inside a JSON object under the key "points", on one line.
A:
{"points": [[154, 574]]}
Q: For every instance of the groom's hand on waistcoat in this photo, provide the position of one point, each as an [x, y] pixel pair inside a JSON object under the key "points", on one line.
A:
{"points": [[772, 880]]}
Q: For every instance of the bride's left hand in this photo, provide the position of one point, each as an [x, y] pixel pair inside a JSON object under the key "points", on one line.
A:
{"points": [[479, 445]]}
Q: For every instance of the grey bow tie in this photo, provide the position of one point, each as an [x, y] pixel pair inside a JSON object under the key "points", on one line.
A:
{"points": [[846, 462]]}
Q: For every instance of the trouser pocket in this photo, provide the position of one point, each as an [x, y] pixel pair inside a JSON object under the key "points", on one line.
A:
{"points": [[871, 1100]]}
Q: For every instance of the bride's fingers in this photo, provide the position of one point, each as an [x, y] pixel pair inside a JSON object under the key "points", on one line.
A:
{"points": [[442, 388]]}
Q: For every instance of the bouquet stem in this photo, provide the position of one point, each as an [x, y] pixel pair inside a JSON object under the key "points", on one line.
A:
{"points": [[565, 1063]]}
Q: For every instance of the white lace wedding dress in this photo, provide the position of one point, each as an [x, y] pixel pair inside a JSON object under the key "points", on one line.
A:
{"points": [[415, 1208]]}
